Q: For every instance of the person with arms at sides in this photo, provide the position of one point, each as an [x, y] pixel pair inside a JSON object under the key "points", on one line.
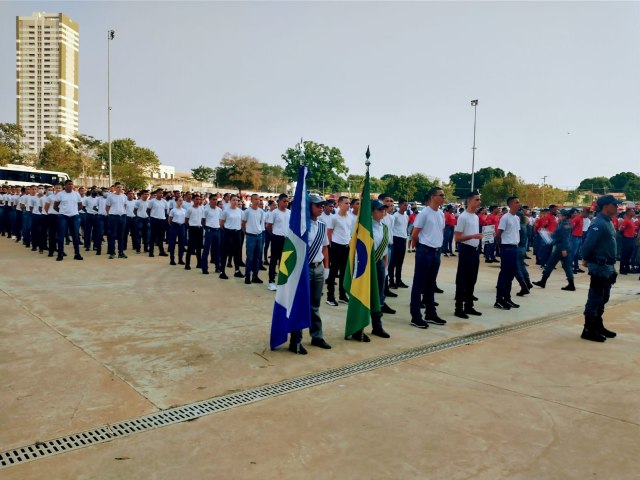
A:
{"points": [[194, 238], [252, 226], [91, 219], [627, 228], [427, 237], [468, 238], [277, 226], [509, 236], [231, 222], [177, 230], [68, 204], [271, 206], [561, 252], [116, 208], [449, 226], [142, 222], [339, 229], [52, 219], [157, 211], [102, 220], [577, 222], [400, 233], [522, 275], [211, 224], [130, 224]]}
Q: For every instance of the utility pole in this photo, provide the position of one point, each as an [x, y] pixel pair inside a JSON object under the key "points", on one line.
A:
{"points": [[544, 184]]}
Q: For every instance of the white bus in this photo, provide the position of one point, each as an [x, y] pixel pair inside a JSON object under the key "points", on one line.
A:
{"points": [[22, 175]]}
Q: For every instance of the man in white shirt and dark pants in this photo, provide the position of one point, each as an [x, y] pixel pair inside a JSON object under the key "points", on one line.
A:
{"points": [[399, 246], [339, 229], [195, 238], [252, 226], [427, 237], [277, 226], [68, 204], [211, 224], [116, 208], [467, 236], [509, 235]]}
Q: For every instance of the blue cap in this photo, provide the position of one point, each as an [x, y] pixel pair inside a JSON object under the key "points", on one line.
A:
{"points": [[606, 200], [377, 205]]}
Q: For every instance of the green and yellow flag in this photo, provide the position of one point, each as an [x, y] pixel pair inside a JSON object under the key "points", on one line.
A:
{"points": [[361, 279]]}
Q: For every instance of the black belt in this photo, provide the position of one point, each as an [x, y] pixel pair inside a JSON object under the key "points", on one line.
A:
{"points": [[253, 234], [314, 264], [508, 245], [211, 228], [195, 226], [602, 262], [428, 248]]}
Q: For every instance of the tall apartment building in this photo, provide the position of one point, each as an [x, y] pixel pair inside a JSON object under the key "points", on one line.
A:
{"points": [[47, 77]]}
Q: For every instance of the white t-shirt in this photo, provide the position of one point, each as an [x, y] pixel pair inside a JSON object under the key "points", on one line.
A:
{"points": [[326, 219], [313, 231], [178, 215], [400, 224], [279, 221], [130, 205], [89, 203], [431, 223], [232, 218], [341, 228], [158, 208], [102, 203], [510, 225], [212, 216], [117, 204], [254, 220], [142, 206], [586, 223], [468, 224], [37, 204], [68, 203], [195, 214], [49, 201]]}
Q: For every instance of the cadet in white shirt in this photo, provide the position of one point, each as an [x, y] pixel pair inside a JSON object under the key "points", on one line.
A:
{"points": [[194, 222], [339, 230], [277, 227], [130, 225], [252, 226], [52, 219], [117, 215], [509, 236], [68, 203], [231, 222], [177, 229], [37, 220], [467, 237], [211, 223], [427, 237], [143, 230], [272, 205], [157, 210], [399, 247], [102, 223]]}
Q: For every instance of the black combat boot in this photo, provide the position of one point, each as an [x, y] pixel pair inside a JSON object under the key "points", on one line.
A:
{"points": [[590, 330]]}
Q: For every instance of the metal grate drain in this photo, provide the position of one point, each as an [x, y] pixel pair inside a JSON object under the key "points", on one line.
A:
{"points": [[217, 404]]}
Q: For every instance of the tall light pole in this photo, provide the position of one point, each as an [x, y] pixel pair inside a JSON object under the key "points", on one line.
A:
{"points": [[544, 184], [474, 104], [110, 36]]}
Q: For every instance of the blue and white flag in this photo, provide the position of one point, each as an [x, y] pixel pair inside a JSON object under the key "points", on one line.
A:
{"points": [[292, 308]]}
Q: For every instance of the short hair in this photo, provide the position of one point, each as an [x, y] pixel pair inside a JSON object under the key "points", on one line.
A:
{"points": [[511, 199], [382, 196], [67, 182], [471, 194], [342, 197], [355, 199], [402, 200], [271, 202], [282, 195]]}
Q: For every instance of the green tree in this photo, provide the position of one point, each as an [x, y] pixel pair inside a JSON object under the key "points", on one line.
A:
{"points": [[59, 155], [11, 136], [203, 174], [598, 185], [86, 148], [462, 180], [423, 184], [620, 180], [239, 171], [326, 165], [273, 178], [399, 186], [131, 164], [632, 189]]}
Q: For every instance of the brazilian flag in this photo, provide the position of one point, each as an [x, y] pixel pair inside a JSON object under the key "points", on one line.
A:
{"points": [[361, 279]]}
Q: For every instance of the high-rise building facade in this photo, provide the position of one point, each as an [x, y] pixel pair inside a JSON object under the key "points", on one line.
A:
{"points": [[47, 77]]}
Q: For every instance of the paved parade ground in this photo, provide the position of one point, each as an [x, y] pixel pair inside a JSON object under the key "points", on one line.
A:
{"points": [[84, 345]]}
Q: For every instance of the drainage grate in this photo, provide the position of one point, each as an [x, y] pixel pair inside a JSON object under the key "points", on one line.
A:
{"points": [[217, 404]]}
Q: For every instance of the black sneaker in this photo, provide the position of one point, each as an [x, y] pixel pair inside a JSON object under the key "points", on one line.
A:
{"points": [[111, 256], [256, 279], [419, 323], [472, 311], [360, 337], [187, 267], [163, 254], [393, 285], [511, 304], [380, 332], [205, 272], [435, 320], [387, 309], [238, 274], [59, 258], [501, 305], [439, 290], [401, 284], [332, 302], [78, 257], [343, 299], [263, 268], [223, 276], [460, 314], [172, 262], [389, 293], [122, 255], [247, 281], [319, 342]]}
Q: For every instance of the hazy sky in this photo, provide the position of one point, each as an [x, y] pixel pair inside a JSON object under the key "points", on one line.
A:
{"points": [[558, 83]]}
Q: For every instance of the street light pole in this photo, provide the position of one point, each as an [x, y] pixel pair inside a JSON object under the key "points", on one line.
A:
{"points": [[544, 184], [474, 104], [110, 36]]}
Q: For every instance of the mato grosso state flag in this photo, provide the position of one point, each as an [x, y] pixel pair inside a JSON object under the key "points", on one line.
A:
{"points": [[292, 308], [361, 279]]}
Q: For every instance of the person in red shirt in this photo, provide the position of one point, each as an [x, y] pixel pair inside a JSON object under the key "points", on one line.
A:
{"points": [[577, 222], [549, 223], [628, 230], [490, 248], [449, 225], [411, 219]]}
